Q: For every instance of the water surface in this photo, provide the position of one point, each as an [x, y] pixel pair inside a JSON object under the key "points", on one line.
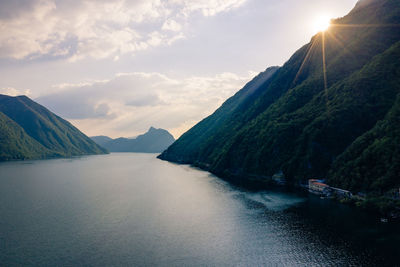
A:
{"points": [[133, 209]]}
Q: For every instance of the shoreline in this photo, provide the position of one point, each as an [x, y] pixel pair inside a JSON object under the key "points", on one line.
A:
{"points": [[384, 208]]}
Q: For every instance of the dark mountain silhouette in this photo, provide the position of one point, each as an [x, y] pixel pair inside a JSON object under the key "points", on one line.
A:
{"points": [[154, 141]]}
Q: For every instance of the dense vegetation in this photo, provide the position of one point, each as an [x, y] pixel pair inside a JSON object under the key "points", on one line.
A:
{"points": [[153, 141], [291, 119], [30, 131], [16, 144], [372, 162]]}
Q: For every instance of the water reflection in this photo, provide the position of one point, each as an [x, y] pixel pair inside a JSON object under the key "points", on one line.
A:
{"points": [[132, 209]]}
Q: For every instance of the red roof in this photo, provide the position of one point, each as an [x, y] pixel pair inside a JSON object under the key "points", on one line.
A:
{"points": [[320, 184]]}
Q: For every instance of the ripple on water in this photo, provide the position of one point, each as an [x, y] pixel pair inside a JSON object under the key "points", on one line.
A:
{"points": [[132, 209]]}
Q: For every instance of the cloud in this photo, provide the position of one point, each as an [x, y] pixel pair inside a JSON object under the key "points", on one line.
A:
{"points": [[97, 29], [131, 102], [146, 100], [73, 105], [171, 25], [14, 92], [209, 7]]}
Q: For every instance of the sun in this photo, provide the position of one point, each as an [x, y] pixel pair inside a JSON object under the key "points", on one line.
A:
{"points": [[321, 23]]}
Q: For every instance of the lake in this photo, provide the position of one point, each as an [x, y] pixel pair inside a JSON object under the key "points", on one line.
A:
{"points": [[133, 209]]}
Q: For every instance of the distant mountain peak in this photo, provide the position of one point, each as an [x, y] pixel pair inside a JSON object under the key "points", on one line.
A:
{"points": [[153, 141]]}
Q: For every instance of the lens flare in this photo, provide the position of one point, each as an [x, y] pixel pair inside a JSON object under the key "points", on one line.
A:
{"points": [[321, 24]]}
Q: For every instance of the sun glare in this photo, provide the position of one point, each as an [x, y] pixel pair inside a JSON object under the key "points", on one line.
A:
{"points": [[321, 23]]}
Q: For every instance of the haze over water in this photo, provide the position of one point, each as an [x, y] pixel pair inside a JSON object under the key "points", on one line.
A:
{"points": [[133, 209]]}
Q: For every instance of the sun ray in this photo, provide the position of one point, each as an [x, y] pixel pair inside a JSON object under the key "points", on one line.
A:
{"points": [[325, 71], [324, 61], [308, 54], [340, 43], [364, 25], [323, 28]]}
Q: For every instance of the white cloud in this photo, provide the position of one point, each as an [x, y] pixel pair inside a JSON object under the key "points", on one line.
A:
{"points": [[209, 7], [14, 92], [171, 25], [131, 102], [97, 29]]}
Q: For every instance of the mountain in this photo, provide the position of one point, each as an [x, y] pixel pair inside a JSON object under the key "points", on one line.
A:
{"points": [[329, 112], [154, 141], [101, 140], [372, 162], [30, 131], [15, 143]]}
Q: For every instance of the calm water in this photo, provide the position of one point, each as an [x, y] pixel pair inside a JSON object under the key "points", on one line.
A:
{"points": [[132, 209]]}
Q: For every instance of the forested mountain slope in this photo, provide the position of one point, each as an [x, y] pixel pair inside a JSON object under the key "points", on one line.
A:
{"points": [[31, 131], [310, 113], [15, 143]]}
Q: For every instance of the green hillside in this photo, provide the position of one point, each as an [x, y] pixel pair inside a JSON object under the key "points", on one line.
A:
{"points": [[300, 123], [31, 131], [372, 162], [16, 144]]}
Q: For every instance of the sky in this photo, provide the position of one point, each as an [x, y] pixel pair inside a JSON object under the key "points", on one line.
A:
{"points": [[117, 67]]}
